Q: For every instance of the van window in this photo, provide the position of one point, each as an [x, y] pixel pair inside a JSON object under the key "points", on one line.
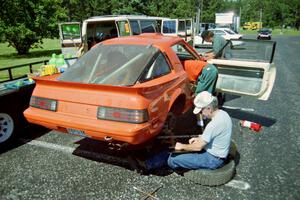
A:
{"points": [[181, 26], [123, 28], [169, 27], [148, 26], [70, 31], [99, 31], [135, 27]]}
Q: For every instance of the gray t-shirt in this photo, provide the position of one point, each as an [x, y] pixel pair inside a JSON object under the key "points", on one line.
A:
{"points": [[217, 134]]}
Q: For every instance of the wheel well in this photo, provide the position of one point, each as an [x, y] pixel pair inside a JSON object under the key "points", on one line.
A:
{"points": [[178, 105]]}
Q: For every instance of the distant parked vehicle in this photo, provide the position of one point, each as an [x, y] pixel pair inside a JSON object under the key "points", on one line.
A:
{"points": [[77, 38], [264, 33], [227, 33]]}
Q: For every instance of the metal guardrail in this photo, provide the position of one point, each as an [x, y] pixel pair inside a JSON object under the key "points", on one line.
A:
{"points": [[30, 65]]}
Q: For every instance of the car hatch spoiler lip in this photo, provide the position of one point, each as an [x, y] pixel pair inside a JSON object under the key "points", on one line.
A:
{"points": [[57, 83]]}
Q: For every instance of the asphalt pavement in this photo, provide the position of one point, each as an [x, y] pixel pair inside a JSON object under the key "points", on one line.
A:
{"points": [[47, 164]]}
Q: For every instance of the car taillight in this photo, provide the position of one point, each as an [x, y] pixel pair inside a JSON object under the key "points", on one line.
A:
{"points": [[122, 115], [43, 103]]}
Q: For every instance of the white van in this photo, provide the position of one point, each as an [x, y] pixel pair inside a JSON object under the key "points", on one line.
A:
{"points": [[77, 39]]}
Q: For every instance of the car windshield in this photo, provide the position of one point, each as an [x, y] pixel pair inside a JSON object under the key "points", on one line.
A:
{"points": [[264, 31], [229, 31], [118, 65]]}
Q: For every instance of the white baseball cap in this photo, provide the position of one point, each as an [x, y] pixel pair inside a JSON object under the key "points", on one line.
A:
{"points": [[202, 100]]}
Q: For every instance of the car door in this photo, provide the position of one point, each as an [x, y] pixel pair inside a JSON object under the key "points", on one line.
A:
{"points": [[70, 38], [248, 69]]}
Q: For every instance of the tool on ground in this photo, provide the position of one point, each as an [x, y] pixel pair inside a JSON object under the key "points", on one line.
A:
{"points": [[251, 125], [239, 108], [162, 137], [147, 193], [153, 192]]}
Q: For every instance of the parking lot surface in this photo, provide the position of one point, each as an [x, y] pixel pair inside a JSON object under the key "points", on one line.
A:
{"points": [[45, 164]]}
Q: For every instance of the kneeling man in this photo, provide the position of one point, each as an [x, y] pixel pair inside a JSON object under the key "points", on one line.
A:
{"points": [[212, 147]]}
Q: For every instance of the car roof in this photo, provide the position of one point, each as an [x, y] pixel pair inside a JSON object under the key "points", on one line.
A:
{"points": [[155, 39], [219, 29]]}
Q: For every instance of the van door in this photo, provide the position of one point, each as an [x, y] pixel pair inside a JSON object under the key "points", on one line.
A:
{"points": [[185, 29], [181, 28], [169, 27], [248, 69], [70, 38]]}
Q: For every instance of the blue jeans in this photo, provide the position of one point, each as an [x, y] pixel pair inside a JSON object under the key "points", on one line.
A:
{"points": [[199, 160], [157, 161]]}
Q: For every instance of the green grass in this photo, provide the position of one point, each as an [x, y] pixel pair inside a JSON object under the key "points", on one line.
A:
{"points": [[288, 32], [9, 57]]}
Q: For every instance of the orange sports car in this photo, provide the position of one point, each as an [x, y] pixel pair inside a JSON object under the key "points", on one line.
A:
{"points": [[123, 89], [128, 89]]}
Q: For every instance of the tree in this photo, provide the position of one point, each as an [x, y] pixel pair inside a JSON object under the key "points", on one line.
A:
{"points": [[24, 23]]}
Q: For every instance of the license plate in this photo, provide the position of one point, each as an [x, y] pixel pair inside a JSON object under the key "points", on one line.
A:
{"points": [[76, 132]]}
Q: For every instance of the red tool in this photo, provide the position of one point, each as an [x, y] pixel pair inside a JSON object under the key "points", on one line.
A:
{"points": [[251, 125]]}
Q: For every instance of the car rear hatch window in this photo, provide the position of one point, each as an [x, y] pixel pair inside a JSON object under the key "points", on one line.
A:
{"points": [[117, 65]]}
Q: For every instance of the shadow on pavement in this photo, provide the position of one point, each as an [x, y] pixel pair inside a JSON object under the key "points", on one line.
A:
{"points": [[29, 133], [230, 97], [100, 151], [243, 115]]}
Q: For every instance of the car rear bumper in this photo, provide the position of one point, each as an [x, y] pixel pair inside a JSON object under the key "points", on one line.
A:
{"points": [[264, 36], [93, 128]]}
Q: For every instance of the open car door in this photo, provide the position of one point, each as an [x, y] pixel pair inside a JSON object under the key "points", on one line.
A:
{"points": [[70, 38], [247, 68], [169, 27]]}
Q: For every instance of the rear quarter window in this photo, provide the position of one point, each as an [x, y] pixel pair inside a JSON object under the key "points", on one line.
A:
{"points": [[158, 68]]}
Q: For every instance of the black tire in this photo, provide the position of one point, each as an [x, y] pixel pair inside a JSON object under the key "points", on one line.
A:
{"points": [[169, 124], [168, 128], [7, 127], [218, 176]]}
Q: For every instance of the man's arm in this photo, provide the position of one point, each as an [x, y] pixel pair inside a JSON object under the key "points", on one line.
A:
{"points": [[195, 144]]}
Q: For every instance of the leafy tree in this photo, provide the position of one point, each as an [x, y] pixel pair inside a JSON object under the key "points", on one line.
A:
{"points": [[78, 10], [24, 23]]}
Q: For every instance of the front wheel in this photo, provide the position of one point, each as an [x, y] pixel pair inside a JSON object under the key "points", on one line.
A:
{"points": [[7, 127]]}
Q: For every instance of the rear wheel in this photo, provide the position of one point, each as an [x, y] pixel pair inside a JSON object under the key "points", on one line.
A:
{"points": [[7, 127], [168, 128]]}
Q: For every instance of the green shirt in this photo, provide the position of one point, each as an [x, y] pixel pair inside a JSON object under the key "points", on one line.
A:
{"points": [[218, 43]]}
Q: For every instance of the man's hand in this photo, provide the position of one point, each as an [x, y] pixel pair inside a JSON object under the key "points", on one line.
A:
{"points": [[193, 140], [179, 146], [195, 144]]}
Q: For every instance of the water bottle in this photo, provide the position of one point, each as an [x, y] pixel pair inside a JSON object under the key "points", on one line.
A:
{"points": [[60, 63], [52, 60]]}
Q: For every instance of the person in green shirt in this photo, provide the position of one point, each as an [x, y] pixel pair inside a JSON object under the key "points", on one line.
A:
{"points": [[218, 43]]}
